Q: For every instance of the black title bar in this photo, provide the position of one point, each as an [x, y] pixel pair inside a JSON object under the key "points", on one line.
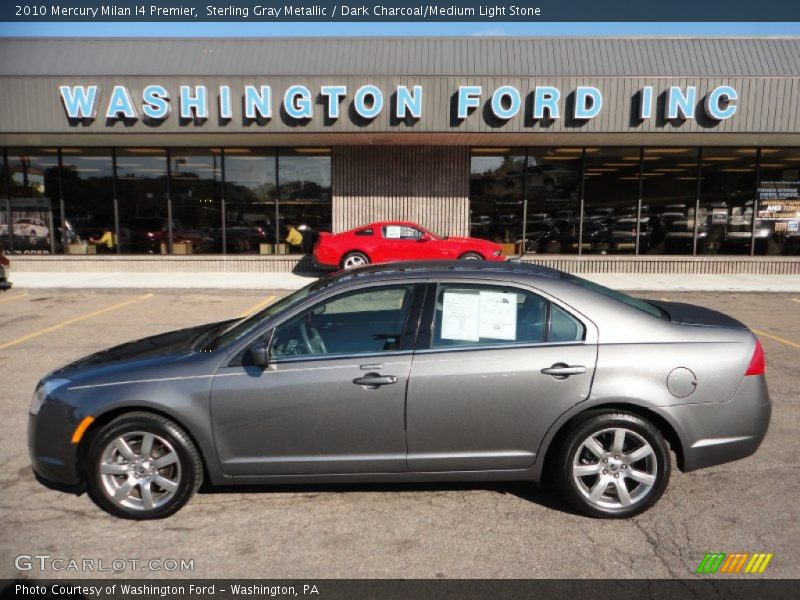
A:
{"points": [[711, 587], [253, 11]]}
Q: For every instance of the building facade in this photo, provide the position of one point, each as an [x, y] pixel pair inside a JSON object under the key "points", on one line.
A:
{"points": [[579, 147]]}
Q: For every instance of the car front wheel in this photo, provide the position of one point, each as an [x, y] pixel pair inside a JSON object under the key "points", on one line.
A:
{"points": [[470, 256], [353, 260], [613, 465], [142, 466]]}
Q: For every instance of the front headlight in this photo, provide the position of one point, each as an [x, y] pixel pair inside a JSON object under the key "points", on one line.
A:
{"points": [[44, 389], [497, 253]]}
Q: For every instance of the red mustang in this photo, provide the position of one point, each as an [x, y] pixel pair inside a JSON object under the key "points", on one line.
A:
{"points": [[396, 240]]}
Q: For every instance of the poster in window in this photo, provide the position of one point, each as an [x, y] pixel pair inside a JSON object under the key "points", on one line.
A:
{"points": [[498, 316], [461, 317], [393, 232]]}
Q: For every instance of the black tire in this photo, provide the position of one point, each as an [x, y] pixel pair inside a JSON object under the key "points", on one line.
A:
{"points": [[354, 257], [611, 505], [187, 469], [470, 256]]}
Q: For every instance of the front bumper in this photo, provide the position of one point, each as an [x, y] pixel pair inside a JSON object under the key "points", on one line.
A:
{"points": [[720, 432], [54, 458]]}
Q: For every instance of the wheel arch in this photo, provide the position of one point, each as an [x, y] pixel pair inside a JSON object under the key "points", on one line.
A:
{"points": [[106, 417], [556, 439]]}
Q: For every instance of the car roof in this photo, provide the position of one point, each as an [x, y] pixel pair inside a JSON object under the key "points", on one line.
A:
{"points": [[382, 223], [461, 268]]}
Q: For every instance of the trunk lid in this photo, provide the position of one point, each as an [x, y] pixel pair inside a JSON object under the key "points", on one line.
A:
{"points": [[689, 314]]}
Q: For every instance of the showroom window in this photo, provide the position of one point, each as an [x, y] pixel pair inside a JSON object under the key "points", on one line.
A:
{"points": [[88, 184], [267, 190], [552, 191], [142, 188], [778, 217], [161, 201], [35, 199], [304, 180], [496, 194], [727, 192], [251, 193], [611, 200], [196, 192], [669, 193]]}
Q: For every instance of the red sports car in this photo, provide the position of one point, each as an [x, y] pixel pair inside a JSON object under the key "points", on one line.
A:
{"points": [[396, 240]]}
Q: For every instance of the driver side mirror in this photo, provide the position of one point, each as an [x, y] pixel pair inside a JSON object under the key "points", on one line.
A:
{"points": [[258, 354], [426, 237]]}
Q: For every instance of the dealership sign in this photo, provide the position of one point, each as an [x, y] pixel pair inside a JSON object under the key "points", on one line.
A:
{"points": [[298, 103]]}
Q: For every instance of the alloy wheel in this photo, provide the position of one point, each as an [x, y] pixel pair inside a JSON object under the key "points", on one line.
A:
{"points": [[615, 468], [354, 260], [140, 470]]}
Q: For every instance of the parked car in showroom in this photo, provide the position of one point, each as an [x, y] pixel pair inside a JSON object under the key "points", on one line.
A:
{"points": [[416, 371], [32, 231], [386, 241], [147, 234], [623, 235]]}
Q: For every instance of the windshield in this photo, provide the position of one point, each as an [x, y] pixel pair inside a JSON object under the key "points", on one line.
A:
{"points": [[242, 327], [636, 303]]}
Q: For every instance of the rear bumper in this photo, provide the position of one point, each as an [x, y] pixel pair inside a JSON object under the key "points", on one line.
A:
{"points": [[720, 432], [322, 266]]}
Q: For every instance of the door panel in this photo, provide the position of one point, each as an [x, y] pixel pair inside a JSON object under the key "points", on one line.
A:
{"points": [[477, 398], [309, 412], [308, 417], [489, 409]]}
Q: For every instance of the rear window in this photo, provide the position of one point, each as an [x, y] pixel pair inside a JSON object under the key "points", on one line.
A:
{"points": [[364, 232], [636, 303]]}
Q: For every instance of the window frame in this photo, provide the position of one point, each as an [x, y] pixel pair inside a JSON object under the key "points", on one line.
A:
{"points": [[405, 344], [428, 319], [420, 230]]}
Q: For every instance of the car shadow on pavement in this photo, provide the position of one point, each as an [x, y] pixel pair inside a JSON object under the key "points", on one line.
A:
{"points": [[544, 495]]}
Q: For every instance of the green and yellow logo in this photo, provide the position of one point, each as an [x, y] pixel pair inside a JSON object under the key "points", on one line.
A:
{"points": [[737, 562]]}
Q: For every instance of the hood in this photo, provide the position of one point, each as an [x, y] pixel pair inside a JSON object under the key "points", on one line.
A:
{"points": [[176, 343], [689, 314]]}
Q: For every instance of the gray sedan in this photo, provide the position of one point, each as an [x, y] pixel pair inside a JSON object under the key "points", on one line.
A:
{"points": [[411, 372]]}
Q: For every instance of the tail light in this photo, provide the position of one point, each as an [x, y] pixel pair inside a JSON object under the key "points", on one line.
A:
{"points": [[757, 363]]}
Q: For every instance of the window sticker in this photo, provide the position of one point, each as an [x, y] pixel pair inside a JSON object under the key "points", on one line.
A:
{"points": [[393, 232], [498, 316], [460, 317]]}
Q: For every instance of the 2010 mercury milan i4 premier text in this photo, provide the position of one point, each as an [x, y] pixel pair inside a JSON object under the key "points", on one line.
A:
{"points": [[443, 371]]}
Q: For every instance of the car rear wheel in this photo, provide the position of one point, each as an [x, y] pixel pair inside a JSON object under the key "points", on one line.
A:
{"points": [[142, 466], [613, 465], [470, 256], [353, 260]]}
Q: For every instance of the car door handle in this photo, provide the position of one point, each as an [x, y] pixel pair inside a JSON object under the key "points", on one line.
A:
{"points": [[374, 381], [563, 370]]}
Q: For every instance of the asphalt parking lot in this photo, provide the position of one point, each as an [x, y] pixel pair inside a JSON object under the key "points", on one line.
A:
{"points": [[421, 531]]}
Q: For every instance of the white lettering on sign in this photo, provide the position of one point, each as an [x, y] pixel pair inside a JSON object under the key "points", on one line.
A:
{"points": [[400, 105]]}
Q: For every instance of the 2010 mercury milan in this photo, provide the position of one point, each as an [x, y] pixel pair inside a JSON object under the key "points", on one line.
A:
{"points": [[445, 371]]}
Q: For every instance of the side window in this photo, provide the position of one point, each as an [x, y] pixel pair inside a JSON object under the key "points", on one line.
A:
{"points": [[401, 232], [564, 327], [470, 315], [364, 321], [467, 315]]}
